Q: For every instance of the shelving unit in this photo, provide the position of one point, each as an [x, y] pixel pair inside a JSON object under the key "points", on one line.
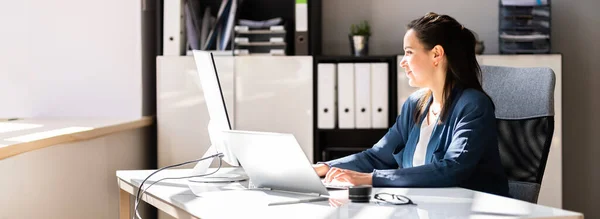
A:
{"points": [[335, 143], [315, 27]]}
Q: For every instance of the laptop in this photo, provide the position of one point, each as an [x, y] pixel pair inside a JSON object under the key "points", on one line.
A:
{"points": [[275, 161]]}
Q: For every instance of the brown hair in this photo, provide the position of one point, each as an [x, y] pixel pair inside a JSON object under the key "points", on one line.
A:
{"points": [[459, 46]]}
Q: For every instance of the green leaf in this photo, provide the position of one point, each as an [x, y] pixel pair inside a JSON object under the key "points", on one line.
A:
{"points": [[362, 28]]}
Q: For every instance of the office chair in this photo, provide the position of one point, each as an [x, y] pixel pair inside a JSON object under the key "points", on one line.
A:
{"points": [[524, 100]]}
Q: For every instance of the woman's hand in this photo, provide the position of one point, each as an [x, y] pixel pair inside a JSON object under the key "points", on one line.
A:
{"points": [[321, 169], [352, 177]]}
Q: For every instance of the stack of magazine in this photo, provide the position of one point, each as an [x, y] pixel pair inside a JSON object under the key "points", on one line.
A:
{"points": [[206, 32], [260, 37]]}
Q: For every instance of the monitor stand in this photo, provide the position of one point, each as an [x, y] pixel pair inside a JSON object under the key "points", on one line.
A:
{"points": [[221, 176]]}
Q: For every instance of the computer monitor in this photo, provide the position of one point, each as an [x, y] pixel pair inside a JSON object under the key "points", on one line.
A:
{"points": [[219, 119]]}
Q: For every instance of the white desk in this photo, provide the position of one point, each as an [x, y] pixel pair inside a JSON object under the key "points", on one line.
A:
{"points": [[175, 198]]}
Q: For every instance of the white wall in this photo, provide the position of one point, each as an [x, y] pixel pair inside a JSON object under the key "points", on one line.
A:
{"points": [[70, 58], [14, 49]]}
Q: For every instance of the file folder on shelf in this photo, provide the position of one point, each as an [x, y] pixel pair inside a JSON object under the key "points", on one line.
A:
{"points": [[345, 95], [326, 96], [301, 32], [362, 81], [174, 40], [379, 95]]}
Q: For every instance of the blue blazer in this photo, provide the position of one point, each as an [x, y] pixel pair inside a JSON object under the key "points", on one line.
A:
{"points": [[463, 150]]}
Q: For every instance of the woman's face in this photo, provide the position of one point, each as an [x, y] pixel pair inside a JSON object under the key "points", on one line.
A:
{"points": [[417, 61]]}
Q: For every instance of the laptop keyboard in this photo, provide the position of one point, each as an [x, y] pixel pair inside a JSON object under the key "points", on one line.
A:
{"points": [[336, 185]]}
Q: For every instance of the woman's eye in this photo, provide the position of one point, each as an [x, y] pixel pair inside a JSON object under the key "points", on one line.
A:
{"points": [[408, 52]]}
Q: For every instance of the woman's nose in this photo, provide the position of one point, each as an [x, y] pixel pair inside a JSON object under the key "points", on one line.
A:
{"points": [[402, 63]]}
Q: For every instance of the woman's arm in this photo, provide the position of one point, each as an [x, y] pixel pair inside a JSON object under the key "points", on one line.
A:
{"points": [[469, 141], [380, 155], [377, 157]]}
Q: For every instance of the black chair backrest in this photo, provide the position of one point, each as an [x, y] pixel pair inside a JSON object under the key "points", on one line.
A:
{"points": [[524, 100]]}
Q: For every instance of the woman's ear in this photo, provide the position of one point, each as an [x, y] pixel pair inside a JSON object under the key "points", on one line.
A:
{"points": [[438, 54], [438, 51]]}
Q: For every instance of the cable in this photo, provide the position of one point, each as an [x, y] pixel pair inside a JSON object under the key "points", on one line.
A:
{"points": [[139, 195], [184, 177]]}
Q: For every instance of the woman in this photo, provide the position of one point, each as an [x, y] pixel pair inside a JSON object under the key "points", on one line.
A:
{"points": [[446, 133]]}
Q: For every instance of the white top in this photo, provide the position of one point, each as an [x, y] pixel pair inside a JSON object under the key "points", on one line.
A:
{"points": [[230, 200], [421, 149]]}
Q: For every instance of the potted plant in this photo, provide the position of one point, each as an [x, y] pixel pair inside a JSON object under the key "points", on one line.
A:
{"points": [[359, 38]]}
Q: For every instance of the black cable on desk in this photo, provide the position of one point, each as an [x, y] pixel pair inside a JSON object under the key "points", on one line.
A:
{"points": [[139, 196]]}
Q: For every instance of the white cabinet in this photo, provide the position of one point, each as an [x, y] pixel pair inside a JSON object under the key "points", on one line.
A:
{"points": [[275, 94], [271, 94]]}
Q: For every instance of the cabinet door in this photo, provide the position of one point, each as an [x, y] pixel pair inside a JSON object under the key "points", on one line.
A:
{"points": [[182, 116], [551, 190], [275, 94]]}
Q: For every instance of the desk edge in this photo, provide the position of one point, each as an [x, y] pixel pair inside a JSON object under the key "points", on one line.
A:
{"points": [[170, 209]]}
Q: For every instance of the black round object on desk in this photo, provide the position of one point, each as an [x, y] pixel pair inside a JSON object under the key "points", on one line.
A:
{"points": [[359, 193]]}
